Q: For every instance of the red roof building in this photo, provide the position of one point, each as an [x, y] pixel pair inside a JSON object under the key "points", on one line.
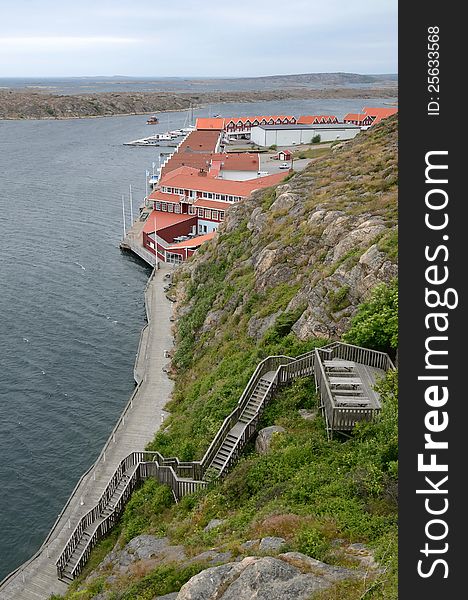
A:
{"points": [[360, 119], [369, 116], [189, 203], [317, 119], [378, 114]]}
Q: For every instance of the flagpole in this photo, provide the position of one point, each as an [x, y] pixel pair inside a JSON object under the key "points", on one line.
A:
{"points": [[131, 205], [123, 215], [146, 185]]}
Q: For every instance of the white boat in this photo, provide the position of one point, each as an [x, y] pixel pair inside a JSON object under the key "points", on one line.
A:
{"points": [[176, 132], [162, 136]]}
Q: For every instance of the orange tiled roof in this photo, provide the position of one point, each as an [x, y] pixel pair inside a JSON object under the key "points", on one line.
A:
{"points": [[354, 117], [161, 220], [238, 161], [187, 178], [379, 113], [210, 123]]}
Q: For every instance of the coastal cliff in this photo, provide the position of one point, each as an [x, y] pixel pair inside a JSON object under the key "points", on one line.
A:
{"points": [[300, 516]]}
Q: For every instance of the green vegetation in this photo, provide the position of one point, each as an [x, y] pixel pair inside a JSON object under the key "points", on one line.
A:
{"points": [[311, 153], [316, 139], [376, 322], [273, 147], [339, 298]]}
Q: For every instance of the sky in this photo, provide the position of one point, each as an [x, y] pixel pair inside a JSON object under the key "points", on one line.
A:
{"points": [[191, 38]]}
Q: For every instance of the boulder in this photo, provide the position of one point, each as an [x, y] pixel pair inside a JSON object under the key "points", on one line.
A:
{"points": [[263, 441], [214, 523], [308, 415], [291, 576], [142, 547], [212, 557], [271, 544]]}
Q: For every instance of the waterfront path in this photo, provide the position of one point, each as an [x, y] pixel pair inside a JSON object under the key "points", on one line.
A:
{"points": [[37, 579]]}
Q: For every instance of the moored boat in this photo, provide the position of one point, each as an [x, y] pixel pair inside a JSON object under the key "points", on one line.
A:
{"points": [[152, 120]]}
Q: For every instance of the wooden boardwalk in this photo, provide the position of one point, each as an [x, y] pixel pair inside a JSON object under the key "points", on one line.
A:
{"points": [[37, 579]]}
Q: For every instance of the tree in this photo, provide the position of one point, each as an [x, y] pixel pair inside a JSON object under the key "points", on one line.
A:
{"points": [[316, 139]]}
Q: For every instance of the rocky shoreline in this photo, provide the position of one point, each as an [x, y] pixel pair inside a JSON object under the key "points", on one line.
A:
{"points": [[21, 104]]}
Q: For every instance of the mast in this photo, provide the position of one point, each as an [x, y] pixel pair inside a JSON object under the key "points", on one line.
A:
{"points": [[123, 216]]}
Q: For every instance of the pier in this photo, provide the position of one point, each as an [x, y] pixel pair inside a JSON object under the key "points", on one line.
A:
{"points": [[141, 418]]}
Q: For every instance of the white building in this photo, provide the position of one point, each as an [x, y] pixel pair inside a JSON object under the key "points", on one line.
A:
{"points": [[291, 135]]}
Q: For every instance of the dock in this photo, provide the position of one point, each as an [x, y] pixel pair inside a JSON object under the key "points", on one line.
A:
{"points": [[37, 578], [133, 240]]}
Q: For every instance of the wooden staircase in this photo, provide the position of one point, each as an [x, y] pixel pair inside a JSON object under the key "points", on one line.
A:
{"points": [[254, 404], [182, 478]]}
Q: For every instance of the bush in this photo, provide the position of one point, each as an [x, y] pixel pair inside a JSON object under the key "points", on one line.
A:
{"points": [[312, 542], [142, 511], [316, 139], [376, 322]]}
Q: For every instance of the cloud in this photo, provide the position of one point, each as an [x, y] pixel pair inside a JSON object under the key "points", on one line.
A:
{"points": [[197, 37], [73, 42]]}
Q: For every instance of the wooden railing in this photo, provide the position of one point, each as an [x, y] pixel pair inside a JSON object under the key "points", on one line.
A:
{"points": [[365, 356], [345, 418], [137, 466], [268, 364], [187, 477]]}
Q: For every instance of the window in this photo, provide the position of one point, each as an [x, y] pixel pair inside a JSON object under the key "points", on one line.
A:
{"points": [[177, 208], [164, 206], [218, 196], [191, 210], [170, 207], [210, 195], [157, 205], [221, 215], [201, 212], [207, 213], [214, 215], [172, 257], [223, 197]]}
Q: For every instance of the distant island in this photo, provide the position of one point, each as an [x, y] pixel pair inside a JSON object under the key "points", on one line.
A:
{"points": [[30, 103]]}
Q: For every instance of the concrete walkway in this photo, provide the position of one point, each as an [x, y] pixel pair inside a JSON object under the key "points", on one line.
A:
{"points": [[142, 417]]}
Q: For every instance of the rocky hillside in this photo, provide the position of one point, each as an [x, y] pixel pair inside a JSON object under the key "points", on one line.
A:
{"points": [[300, 516], [36, 105], [329, 234]]}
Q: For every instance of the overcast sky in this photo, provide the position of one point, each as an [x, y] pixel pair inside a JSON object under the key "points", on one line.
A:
{"points": [[154, 38]]}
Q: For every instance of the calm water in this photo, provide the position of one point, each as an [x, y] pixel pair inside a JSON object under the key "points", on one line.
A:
{"points": [[71, 304]]}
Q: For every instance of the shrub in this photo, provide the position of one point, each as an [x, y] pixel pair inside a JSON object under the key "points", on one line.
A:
{"points": [[376, 322], [316, 139], [312, 542]]}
